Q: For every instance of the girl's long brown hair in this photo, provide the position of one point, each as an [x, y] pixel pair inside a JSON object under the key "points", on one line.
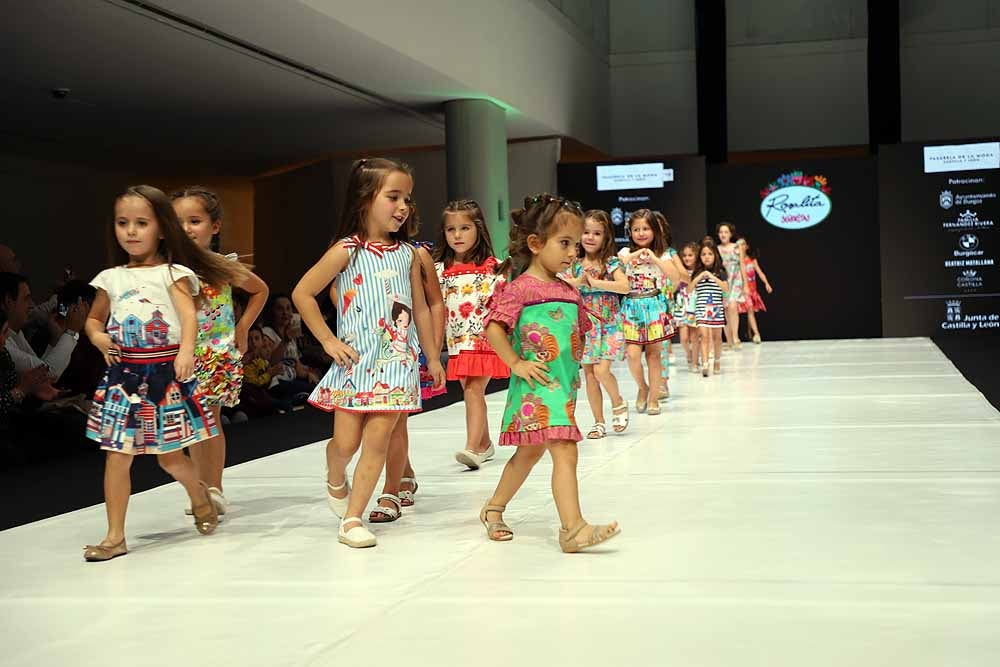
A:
{"points": [[483, 249], [668, 235], [176, 247], [363, 184], [657, 247], [717, 269], [608, 248]]}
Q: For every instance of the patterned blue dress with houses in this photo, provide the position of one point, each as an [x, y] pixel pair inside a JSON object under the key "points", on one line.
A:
{"points": [[375, 317], [140, 407]]}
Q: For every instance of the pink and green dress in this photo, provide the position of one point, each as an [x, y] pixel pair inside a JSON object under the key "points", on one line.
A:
{"points": [[546, 321]]}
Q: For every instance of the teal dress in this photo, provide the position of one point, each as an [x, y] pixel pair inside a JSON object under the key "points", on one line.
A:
{"points": [[546, 322]]}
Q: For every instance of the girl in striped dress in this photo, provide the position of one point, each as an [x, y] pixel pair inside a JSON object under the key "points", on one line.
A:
{"points": [[375, 372], [710, 289]]}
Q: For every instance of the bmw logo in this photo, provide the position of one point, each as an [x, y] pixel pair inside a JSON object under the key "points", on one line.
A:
{"points": [[968, 241]]}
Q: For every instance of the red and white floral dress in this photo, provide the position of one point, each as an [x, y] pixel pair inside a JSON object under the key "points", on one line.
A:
{"points": [[466, 289]]}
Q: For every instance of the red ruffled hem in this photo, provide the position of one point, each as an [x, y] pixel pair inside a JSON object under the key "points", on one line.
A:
{"points": [[431, 392], [542, 436], [470, 364]]}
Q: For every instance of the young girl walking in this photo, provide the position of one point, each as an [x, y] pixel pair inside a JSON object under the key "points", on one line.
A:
{"points": [[753, 303], [466, 268], [222, 340], [599, 276], [644, 307], [710, 288], [730, 249], [536, 324], [684, 307], [374, 376], [143, 321]]}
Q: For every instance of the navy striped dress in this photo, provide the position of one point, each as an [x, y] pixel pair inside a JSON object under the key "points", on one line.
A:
{"points": [[375, 317], [710, 309]]}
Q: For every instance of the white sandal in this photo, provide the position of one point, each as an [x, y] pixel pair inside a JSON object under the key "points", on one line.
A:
{"points": [[390, 513], [338, 505], [597, 431], [619, 417], [358, 537], [407, 498]]}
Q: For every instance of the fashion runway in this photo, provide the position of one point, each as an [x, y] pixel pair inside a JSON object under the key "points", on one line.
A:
{"points": [[819, 503]]}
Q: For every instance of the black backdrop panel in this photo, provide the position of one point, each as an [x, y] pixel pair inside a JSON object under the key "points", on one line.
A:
{"points": [[940, 242], [826, 275], [681, 199]]}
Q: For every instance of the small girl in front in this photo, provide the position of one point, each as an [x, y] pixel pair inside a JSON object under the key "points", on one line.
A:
{"points": [[536, 324], [710, 289], [379, 296], [144, 322], [599, 276], [466, 267], [222, 339]]}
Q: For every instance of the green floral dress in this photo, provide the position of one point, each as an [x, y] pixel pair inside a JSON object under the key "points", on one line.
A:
{"points": [[546, 322]]}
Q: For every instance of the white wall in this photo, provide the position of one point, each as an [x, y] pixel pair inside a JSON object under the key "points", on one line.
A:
{"points": [[796, 73], [520, 53], [950, 69], [654, 104]]}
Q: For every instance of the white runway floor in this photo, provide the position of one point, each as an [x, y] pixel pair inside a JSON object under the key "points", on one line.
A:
{"points": [[822, 503]]}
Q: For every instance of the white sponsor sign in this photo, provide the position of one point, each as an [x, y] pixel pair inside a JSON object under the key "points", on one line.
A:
{"points": [[633, 176], [963, 157], [795, 207]]}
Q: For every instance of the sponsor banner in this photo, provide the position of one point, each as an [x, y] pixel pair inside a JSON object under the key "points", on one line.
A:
{"points": [[633, 176], [964, 157], [957, 316], [796, 201]]}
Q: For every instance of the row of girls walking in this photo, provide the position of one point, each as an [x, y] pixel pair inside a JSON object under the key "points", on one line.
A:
{"points": [[164, 322]]}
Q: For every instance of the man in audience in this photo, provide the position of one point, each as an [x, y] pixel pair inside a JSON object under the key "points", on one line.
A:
{"points": [[16, 302]]}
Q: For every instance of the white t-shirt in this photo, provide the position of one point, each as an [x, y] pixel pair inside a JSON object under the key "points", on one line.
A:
{"points": [[142, 313]]}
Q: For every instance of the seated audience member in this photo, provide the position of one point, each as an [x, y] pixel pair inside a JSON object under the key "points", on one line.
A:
{"points": [[86, 365], [294, 379], [64, 332], [14, 386]]}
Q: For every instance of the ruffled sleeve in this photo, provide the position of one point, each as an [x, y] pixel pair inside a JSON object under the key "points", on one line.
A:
{"points": [[104, 280], [505, 305], [177, 272]]}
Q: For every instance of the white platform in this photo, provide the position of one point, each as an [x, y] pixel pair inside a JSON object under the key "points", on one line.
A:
{"points": [[822, 503]]}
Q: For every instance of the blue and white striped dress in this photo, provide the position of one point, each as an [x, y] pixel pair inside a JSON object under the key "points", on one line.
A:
{"points": [[375, 317]]}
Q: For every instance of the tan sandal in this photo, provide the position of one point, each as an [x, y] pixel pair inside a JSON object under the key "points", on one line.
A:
{"points": [[569, 545], [206, 519], [383, 514], [597, 431], [494, 527], [653, 409], [97, 553]]}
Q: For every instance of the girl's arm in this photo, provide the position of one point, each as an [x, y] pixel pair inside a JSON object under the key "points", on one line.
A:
{"points": [[760, 272], [532, 371], [94, 327], [435, 300], [258, 291], [316, 279], [668, 268], [180, 295], [724, 284], [618, 283], [743, 270], [426, 332]]}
